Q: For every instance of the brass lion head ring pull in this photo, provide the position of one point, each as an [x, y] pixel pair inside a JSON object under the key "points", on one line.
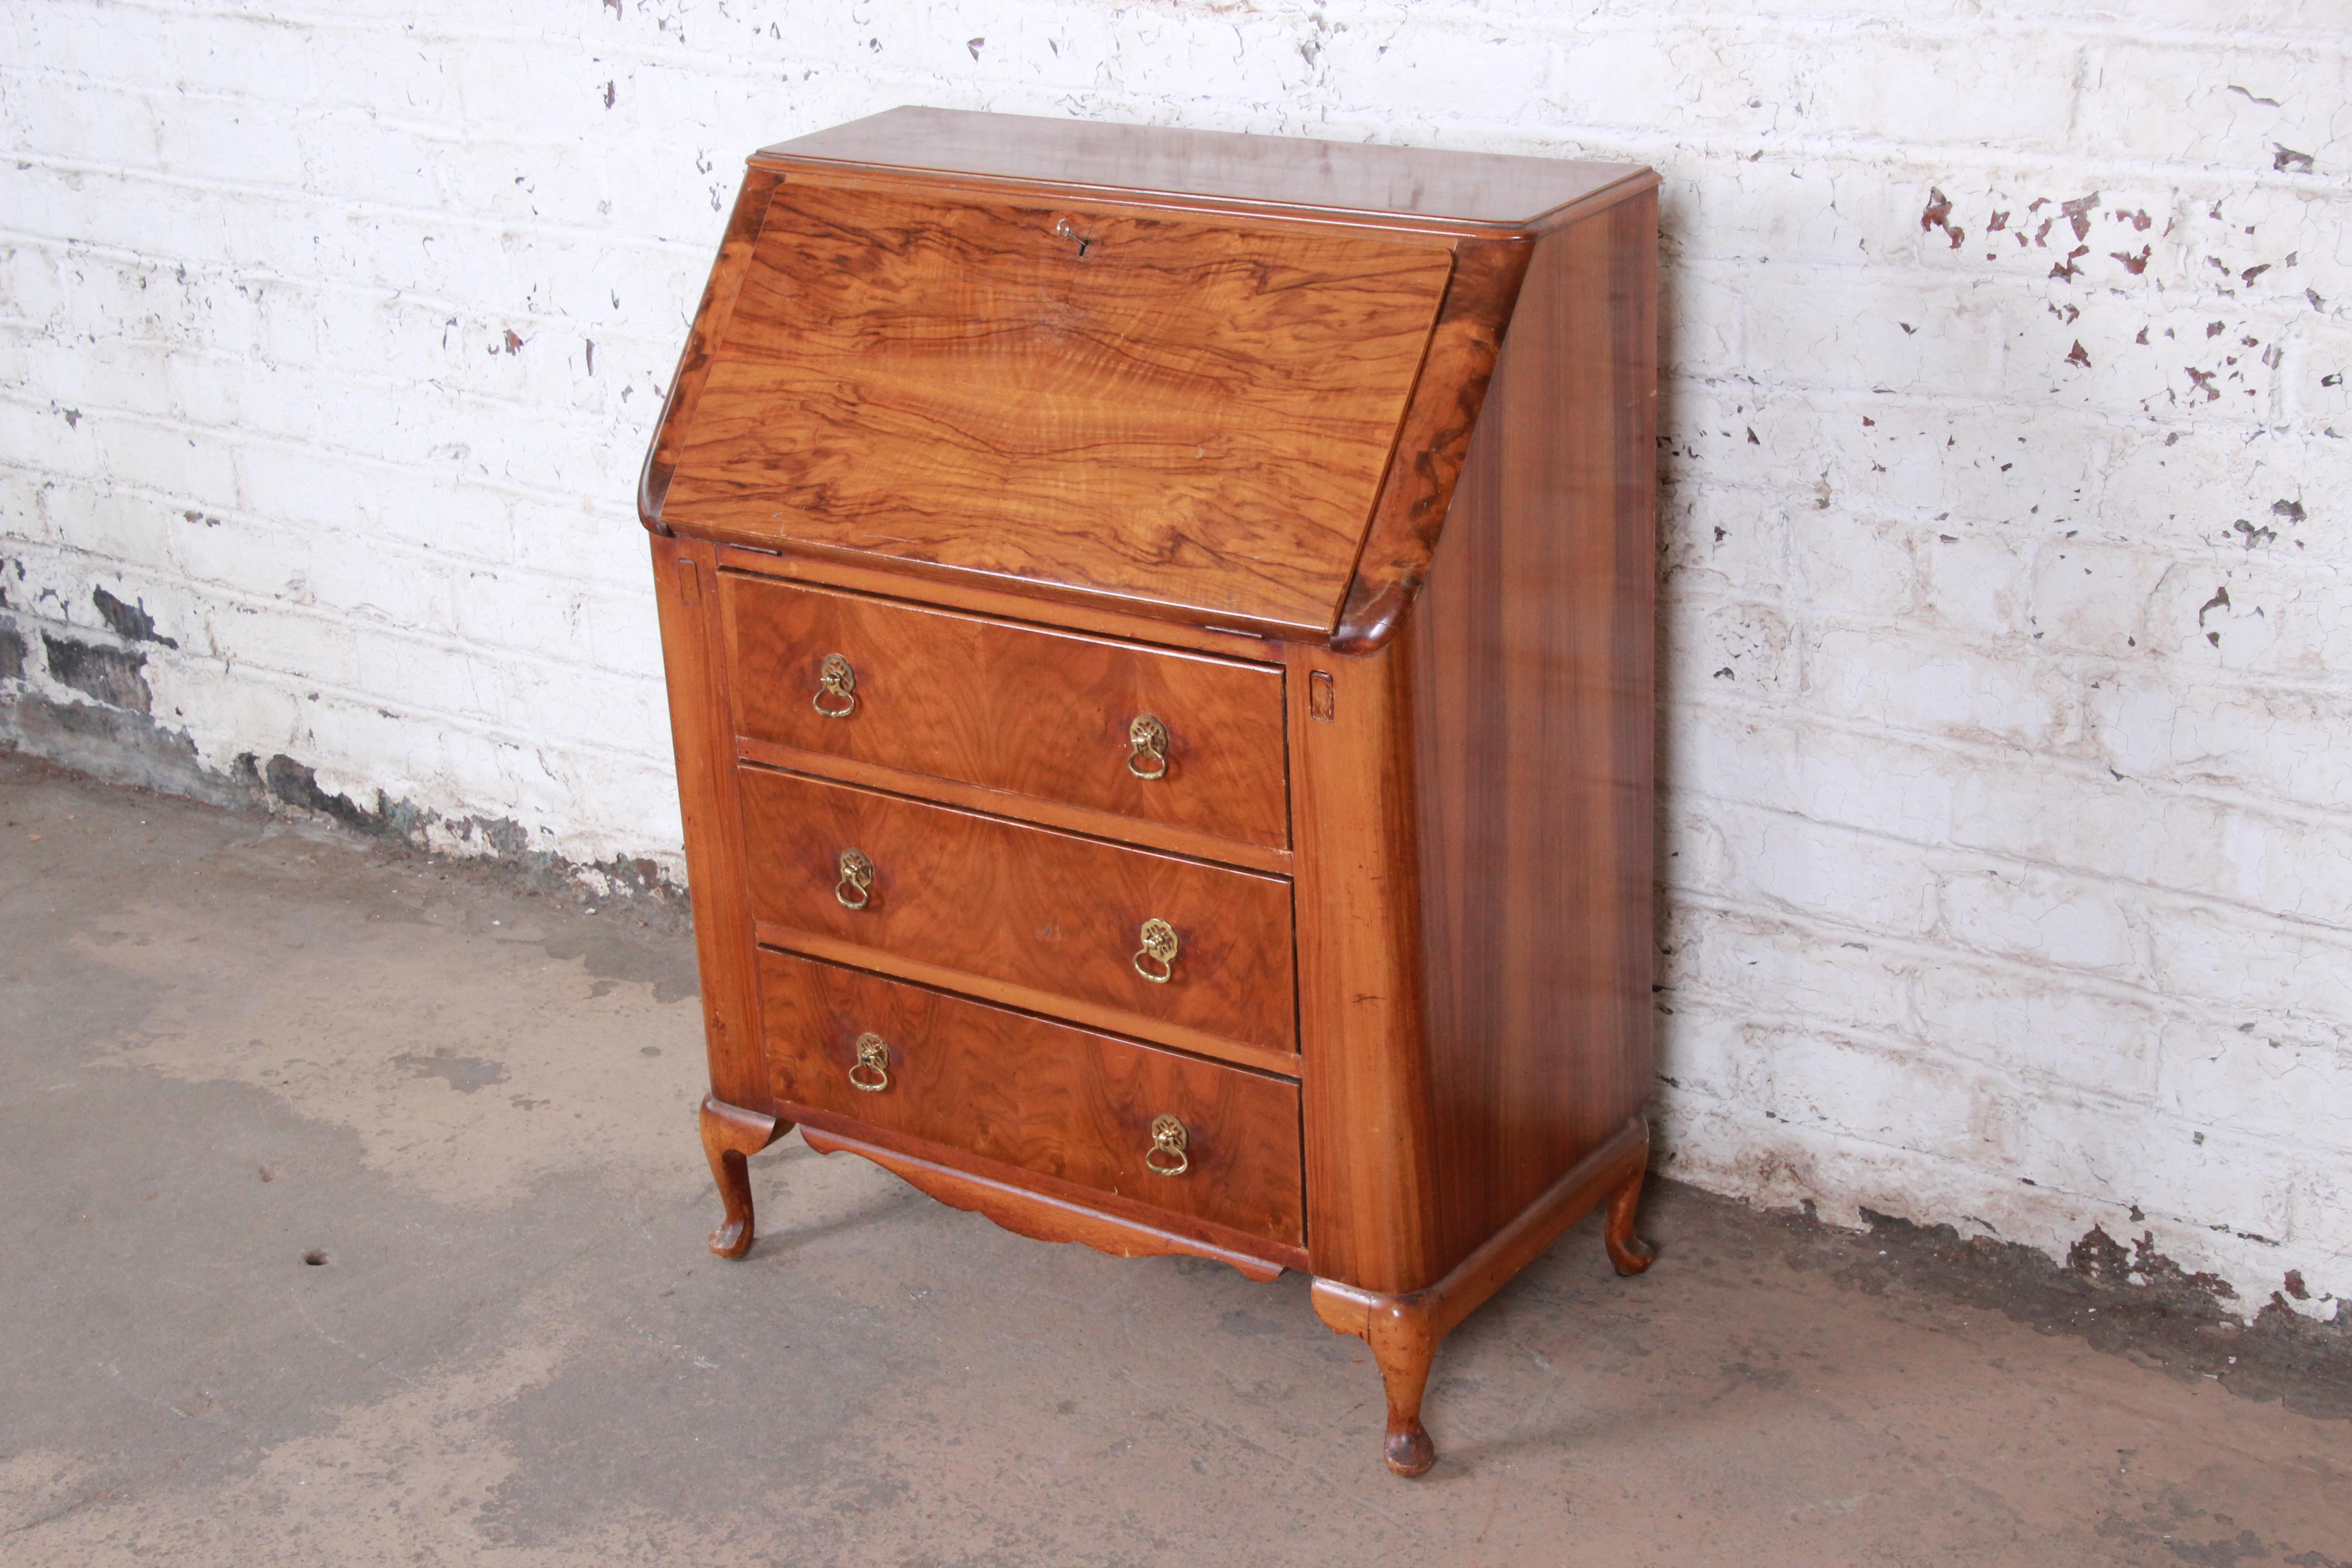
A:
{"points": [[874, 1061], [1167, 1155], [837, 680], [1148, 738], [1160, 945], [856, 879]]}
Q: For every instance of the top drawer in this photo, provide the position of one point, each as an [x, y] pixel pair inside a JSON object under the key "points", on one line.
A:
{"points": [[1050, 715]]}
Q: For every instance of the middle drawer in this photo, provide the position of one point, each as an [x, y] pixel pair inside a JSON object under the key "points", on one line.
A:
{"points": [[1176, 951]]}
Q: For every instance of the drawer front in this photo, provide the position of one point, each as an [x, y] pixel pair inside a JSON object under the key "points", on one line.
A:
{"points": [[1025, 915], [1043, 1097], [1039, 713]]}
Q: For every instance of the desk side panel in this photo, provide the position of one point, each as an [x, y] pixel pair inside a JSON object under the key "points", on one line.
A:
{"points": [[702, 729], [1532, 649]]}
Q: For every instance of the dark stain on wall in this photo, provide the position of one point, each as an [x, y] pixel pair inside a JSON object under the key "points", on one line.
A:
{"points": [[107, 674], [12, 654], [287, 783], [109, 743], [131, 623]]}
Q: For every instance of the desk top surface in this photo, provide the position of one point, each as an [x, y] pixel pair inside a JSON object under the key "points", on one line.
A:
{"points": [[1276, 171]]}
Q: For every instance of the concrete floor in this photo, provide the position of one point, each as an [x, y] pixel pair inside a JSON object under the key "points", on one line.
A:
{"points": [[227, 1044]]}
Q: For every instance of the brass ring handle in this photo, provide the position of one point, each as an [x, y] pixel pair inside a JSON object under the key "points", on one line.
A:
{"points": [[873, 1059], [837, 680], [1148, 738], [1160, 945], [856, 876], [1167, 1155]]}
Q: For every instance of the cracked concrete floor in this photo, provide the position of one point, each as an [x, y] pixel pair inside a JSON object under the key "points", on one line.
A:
{"points": [[228, 1044]]}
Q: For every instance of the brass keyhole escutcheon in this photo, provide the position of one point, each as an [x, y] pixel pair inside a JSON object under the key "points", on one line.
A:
{"points": [[1160, 945], [1148, 738], [837, 680], [1167, 1155], [874, 1061], [856, 876]]}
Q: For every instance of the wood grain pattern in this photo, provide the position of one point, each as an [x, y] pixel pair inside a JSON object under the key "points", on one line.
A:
{"points": [[1282, 173], [1028, 808], [1012, 709], [702, 736], [1037, 1095], [1370, 1193], [1020, 1204], [1435, 439], [730, 1136], [1034, 999], [955, 591], [1531, 651], [694, 360], [1189, 414], [982, 897], [1405, 1330]]}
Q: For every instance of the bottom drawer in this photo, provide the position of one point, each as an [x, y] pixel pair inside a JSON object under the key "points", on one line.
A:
{"points": [[1044, 1097]]}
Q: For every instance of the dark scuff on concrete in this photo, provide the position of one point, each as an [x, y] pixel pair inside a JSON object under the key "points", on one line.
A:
{"points": [[2132, 1302]]}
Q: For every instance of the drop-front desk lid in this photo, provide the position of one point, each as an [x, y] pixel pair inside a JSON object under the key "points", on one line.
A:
{"points": [[1183, 371]]}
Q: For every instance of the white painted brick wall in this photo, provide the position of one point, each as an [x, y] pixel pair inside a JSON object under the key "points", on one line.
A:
{"points": [[2005, 858]]}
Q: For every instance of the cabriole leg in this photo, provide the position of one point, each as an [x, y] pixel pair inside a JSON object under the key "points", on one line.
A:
{"points": [[1405, 1347], [730, 1135], [1628, 1252], [1403, 1333]]}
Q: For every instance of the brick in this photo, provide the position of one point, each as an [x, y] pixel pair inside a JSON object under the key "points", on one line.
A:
{"points": [[1759, 969], [2253, 492], [2037, 917], [2269, 1081], [2020, 1025], [1711, 80], [1711, 1052], [2176, 101], [1910, 682], [1732, 642], [2266, 242], [2229, 959], [1870, 1091], [1830, 875], [2010, 87], [2097, 598], [2317, 379], [2116, 1154], [1885, 784], [1854, 566], [2286, 744], [1976, 583], [1743, 554]]}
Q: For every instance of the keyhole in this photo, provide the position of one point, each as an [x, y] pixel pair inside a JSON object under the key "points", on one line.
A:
{"points": [[1062, 227]]}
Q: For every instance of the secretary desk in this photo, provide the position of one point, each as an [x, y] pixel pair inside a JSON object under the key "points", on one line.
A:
{"points": [[1159, 634]]}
